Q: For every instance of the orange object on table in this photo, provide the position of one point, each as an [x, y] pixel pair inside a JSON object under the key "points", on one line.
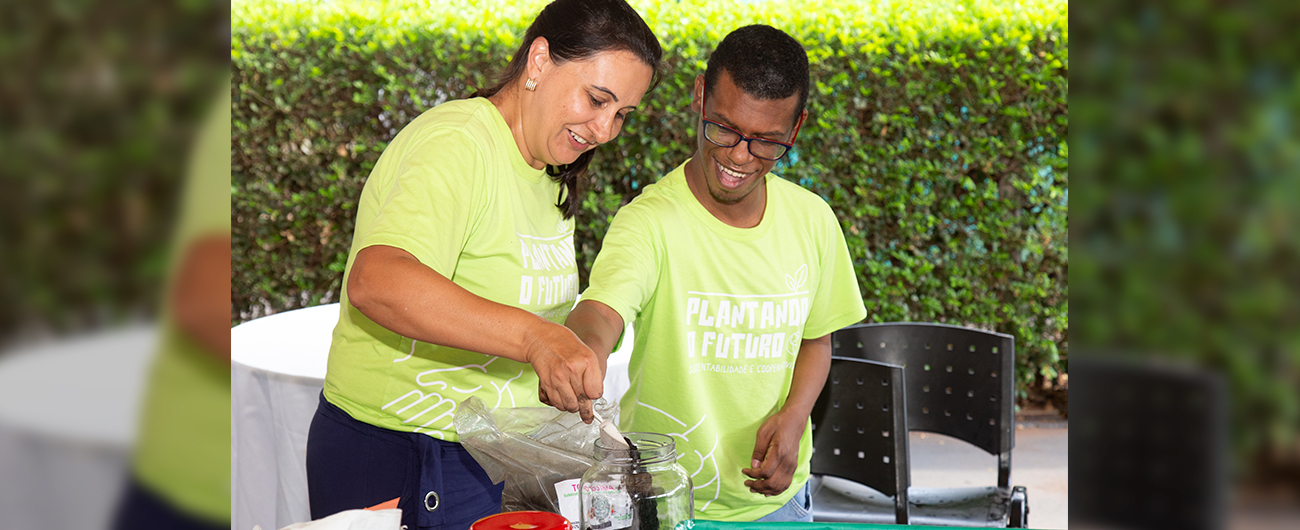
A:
{"points": [[386, 505], [521, 521]]}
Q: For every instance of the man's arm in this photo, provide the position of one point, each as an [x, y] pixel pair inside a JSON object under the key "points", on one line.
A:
{"points": [[776, 448], [598, 326]]}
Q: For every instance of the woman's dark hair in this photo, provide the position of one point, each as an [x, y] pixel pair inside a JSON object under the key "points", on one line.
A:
{"points": [[574, 30], [764, 62]]}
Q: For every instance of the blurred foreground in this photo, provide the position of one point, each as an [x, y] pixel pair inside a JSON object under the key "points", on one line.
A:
{"points": [[101, 106]]}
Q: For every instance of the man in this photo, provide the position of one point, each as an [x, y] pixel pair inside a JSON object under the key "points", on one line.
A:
{"points": [[735, 279]]}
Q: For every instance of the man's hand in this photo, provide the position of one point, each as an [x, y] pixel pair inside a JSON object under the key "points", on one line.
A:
{"points": [[776, 450], [569, 375], [776, 453]]}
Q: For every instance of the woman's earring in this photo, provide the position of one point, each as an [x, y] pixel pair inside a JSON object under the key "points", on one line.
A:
{"points": [[530, 84]]}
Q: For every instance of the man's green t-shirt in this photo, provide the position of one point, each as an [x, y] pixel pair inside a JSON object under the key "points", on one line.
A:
{"points": [[454, 191], [719, 314]]}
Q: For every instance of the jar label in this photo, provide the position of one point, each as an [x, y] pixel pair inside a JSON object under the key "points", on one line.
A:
{"points": [[607, 506], [570, 504]]}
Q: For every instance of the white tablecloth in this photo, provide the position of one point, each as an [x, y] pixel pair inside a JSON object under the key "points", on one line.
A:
{"points": [[276, 375], [68, 412]]}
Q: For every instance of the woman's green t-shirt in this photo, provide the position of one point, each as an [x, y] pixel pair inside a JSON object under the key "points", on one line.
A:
{"points": [[454, 191]]}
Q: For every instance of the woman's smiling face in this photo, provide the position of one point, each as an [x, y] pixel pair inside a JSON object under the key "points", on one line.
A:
{"points": [[580, 104]]}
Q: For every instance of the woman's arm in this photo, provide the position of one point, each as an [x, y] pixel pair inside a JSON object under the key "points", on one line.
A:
{"points": [[391, 287], [200, 298]]}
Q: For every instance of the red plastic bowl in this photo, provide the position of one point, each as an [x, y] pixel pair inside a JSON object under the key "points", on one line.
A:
{"points": [[521, 521]]}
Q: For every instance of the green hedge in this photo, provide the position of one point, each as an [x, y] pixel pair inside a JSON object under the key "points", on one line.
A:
{"points": [[1191, 160], [937, 133], [101, 102]]}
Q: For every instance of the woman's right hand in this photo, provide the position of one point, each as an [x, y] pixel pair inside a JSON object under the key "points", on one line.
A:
{"points": [[569, 374]]}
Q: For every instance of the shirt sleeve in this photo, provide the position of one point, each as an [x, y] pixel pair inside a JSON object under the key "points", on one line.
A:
{"points": [[626, 271], [205, 206], [838, 300], [429, 208]]}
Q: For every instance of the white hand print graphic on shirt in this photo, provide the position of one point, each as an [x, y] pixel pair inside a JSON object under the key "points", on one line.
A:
{"points": [[448, 404], [703, 460]]}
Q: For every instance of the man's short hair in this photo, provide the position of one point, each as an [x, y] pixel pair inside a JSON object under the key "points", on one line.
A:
{"points": [[764, 62]]}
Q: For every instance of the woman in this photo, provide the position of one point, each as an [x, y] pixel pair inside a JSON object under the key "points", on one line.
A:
{"points": [[462, 269]]}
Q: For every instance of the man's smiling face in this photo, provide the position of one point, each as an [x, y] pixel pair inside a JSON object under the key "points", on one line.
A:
{"points": [[732, 175]]}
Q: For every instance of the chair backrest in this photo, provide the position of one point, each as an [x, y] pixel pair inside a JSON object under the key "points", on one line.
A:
{"points": [[1155, 436], [860, 428], [960, 381]]}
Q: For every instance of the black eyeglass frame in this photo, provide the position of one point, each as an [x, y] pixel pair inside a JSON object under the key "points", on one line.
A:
{"points": [[748, 140]]}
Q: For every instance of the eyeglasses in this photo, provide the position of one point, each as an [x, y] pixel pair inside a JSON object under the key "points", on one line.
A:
{"points": [[723, 136]]}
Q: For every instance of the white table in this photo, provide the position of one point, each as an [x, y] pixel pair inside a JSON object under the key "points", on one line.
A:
{"points": [[277, 371], [68, 414]]}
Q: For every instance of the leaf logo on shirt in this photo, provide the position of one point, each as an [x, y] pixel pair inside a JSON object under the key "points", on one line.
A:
{"points": [[797, 281]]}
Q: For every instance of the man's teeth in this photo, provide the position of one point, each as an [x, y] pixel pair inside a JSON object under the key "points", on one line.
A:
{"points": [[580, 140], [731, 173]]}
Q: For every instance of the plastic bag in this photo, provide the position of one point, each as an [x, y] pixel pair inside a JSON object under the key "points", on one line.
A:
{"points": [[530, 448]]}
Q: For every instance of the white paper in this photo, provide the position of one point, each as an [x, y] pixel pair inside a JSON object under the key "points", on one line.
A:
{"points": [[390, 519], [570, 502]]}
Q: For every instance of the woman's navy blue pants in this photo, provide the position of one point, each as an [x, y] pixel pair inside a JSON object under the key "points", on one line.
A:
{"points": [[351, 464]]}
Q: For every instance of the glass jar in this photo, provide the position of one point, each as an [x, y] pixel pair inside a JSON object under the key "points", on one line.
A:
{"points": [[641, 487]]}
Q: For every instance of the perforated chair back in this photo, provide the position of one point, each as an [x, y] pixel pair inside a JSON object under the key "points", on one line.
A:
{"points": [[1156, 433], [860, 428], [960, 381]]}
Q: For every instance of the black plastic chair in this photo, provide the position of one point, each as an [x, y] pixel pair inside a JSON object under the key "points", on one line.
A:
{"points": [[960, 383], [1154, 435], [860, 438]]}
